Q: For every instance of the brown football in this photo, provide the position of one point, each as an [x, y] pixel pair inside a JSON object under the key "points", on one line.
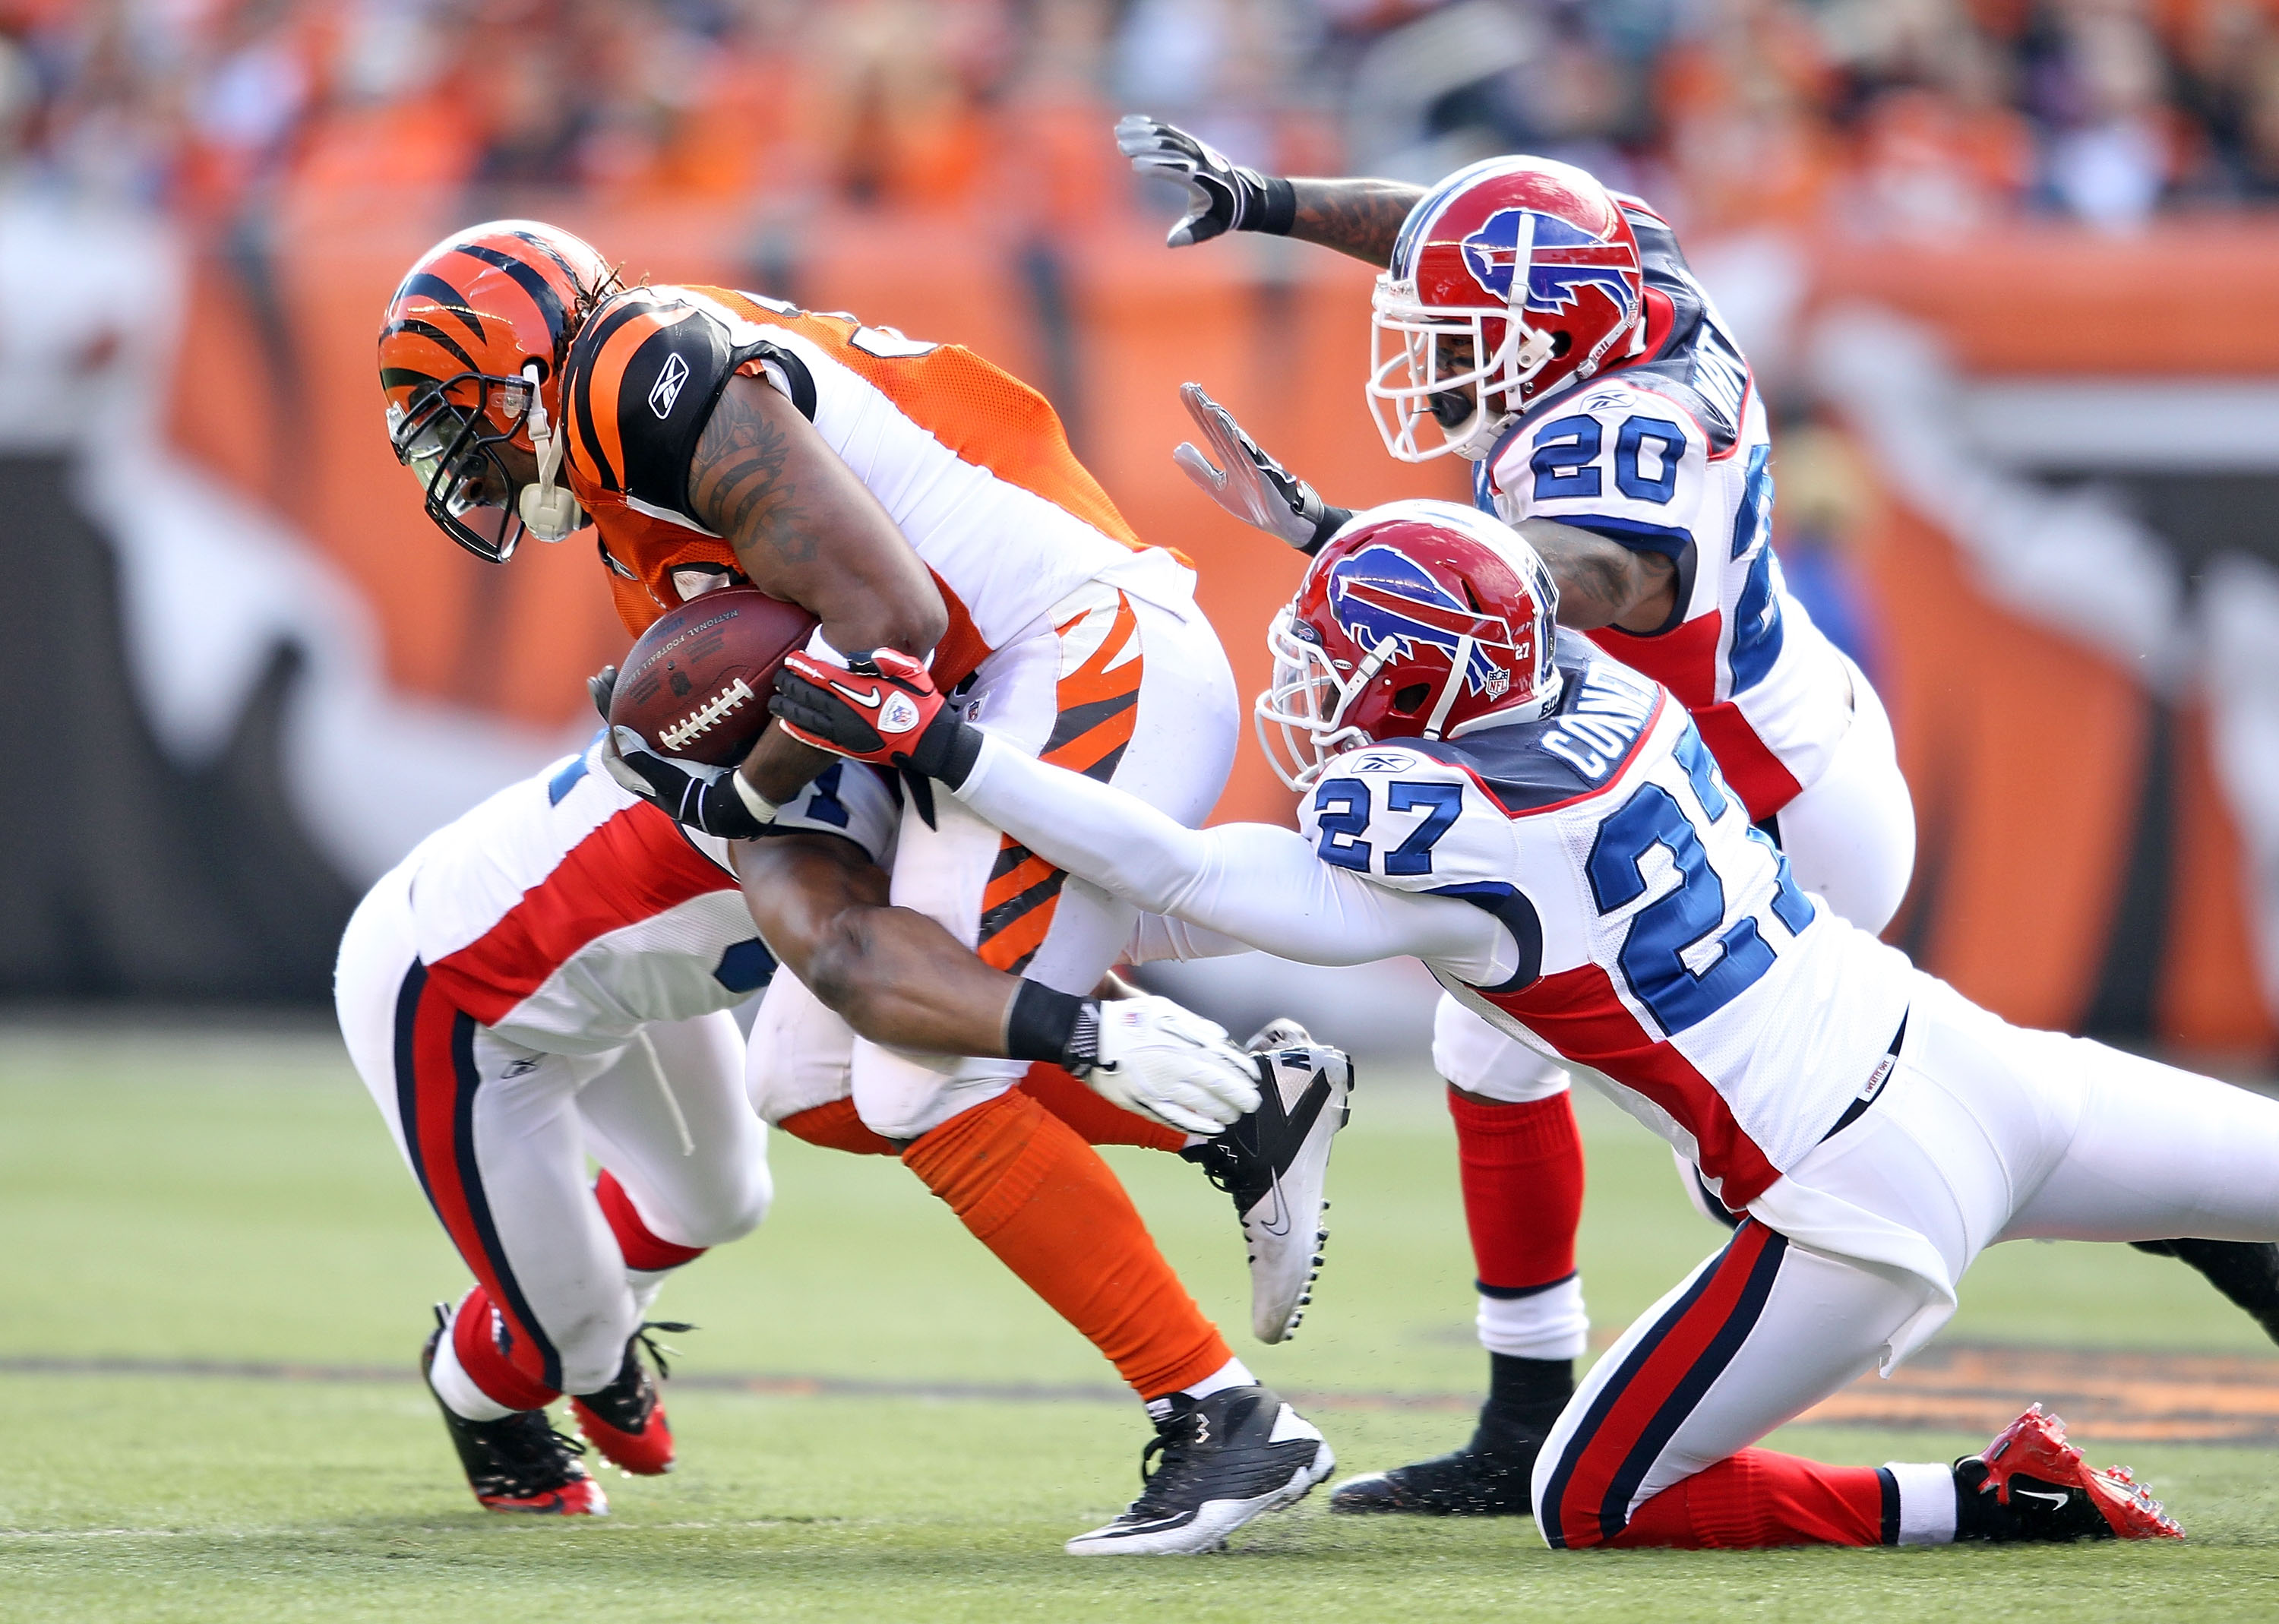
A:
{"points": [[696, 684]]}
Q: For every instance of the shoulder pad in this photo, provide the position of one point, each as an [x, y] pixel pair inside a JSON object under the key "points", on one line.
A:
{"points": [[851, 801], [1407, 821], [641, 380], [1534, 766]]}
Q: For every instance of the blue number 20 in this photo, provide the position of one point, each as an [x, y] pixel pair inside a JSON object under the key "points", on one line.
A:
{"points": [[1662, 932]]}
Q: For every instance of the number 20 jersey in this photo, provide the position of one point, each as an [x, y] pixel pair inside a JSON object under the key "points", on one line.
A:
{"points": [[1670, 454], [1662, 942]]}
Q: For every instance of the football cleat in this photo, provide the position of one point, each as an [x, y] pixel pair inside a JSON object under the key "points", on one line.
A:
{"points": [[2032, 1485], [1275, 1163], [519, 1463], [1488, 1477], [625, 1421], [1213, 1465]]}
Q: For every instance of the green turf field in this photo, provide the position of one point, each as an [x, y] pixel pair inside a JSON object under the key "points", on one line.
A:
{"points": [[215, 1198]]}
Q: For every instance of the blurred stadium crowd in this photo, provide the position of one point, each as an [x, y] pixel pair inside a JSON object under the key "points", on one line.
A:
{"points": [[1878, 116]]}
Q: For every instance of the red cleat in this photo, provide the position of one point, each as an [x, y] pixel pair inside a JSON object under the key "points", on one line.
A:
{"points": [[2031, 1484], [625, 1421]]}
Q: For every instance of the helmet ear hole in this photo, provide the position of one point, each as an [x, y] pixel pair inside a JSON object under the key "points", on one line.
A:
{"points": [[1411, 699]]}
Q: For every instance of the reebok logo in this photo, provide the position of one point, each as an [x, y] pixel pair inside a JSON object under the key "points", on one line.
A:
{"points": [[666, 390]]}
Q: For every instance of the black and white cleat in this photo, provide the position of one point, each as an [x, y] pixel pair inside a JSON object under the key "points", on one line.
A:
{"points": [[1275, 1163], [1214, 1464]]}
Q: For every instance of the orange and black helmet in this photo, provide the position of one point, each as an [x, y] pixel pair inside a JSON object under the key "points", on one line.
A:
{"points": [[484, 317]]}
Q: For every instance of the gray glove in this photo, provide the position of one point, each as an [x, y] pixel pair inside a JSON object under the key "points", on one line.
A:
{"points": [[1248, 483], [1224, 196]]}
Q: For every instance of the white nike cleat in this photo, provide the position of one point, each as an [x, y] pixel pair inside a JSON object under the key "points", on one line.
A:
{"points": [[1214, 1464], [1275, 1163]]}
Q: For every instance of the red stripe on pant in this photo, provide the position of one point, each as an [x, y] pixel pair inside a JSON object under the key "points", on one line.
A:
{"points": [[435, 1086], [1753, 1500]]}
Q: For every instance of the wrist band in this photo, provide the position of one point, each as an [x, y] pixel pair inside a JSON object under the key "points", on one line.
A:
{"points": [[759, 805], [1280, 210], [1059, 1028]]}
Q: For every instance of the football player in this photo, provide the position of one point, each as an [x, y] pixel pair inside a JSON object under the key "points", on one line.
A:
{"points": [[911, 496], [1546, 828], [1549, 331], [550, 976]]}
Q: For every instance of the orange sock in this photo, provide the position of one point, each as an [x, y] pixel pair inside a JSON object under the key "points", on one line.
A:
{"points": [[1038, 1196], [1098, 1122], [835, 1126]]}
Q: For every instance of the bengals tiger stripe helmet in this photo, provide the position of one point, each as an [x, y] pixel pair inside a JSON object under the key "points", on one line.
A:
{"points": [[471, 354]]}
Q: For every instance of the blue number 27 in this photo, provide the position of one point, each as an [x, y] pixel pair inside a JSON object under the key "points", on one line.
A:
{"points": [[1341, 812], [1653, 956]]}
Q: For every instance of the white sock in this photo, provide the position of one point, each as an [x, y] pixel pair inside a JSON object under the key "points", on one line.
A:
{"points": [[1552, 1323], [1926, 1501], [1234, 1373], [458, 1390]]}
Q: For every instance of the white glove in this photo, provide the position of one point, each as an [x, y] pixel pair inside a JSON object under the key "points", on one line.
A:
{"points": [[1171, 1066]]}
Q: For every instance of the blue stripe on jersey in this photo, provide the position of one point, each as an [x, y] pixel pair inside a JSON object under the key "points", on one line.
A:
{"points": [[1517, 914], [745, 965], [1672, 541], [565, 777]]}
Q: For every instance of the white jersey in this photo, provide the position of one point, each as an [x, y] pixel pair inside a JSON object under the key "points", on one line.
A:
{"points": [[1670, 454], [970, 463], [566, 913], [1662, 940]]}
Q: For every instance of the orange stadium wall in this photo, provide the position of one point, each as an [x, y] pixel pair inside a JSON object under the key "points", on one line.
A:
{"points": [[2027, 751]]}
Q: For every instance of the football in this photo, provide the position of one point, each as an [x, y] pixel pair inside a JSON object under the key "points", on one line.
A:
{"points": [[696, 684]]}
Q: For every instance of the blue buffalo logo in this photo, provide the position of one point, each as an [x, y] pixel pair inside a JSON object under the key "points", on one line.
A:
{"points": [[1561, 260], [1380, 593]]}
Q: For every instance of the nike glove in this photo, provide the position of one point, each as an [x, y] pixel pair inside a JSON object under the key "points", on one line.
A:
{"points": [[1223, 196], [1248, 483], [883, 708]]}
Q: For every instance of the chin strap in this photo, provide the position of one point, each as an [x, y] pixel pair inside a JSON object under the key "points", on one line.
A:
{"points": [[548, 510]]}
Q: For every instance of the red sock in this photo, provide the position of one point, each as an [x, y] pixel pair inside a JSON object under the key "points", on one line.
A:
{"points": [[642, 1247], [1523, 1177], [506, 1375], [1041, 1198], [1095, 1120], [1760, 1499]]}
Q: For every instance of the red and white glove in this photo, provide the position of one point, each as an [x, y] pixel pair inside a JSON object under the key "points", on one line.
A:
{"points": [[883, 709]]}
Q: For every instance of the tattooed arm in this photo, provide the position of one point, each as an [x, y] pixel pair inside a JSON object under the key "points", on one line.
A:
{"points": [[1359, 218], [1602, 583], [806, 530]]}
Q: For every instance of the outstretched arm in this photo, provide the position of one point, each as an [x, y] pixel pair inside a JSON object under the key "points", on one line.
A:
{"points": [[1357, 217], [1601, 583], [1255, 882]]}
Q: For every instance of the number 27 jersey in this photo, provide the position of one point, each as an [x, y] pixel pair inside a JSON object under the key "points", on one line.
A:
{"points": [[1662, 942]]}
